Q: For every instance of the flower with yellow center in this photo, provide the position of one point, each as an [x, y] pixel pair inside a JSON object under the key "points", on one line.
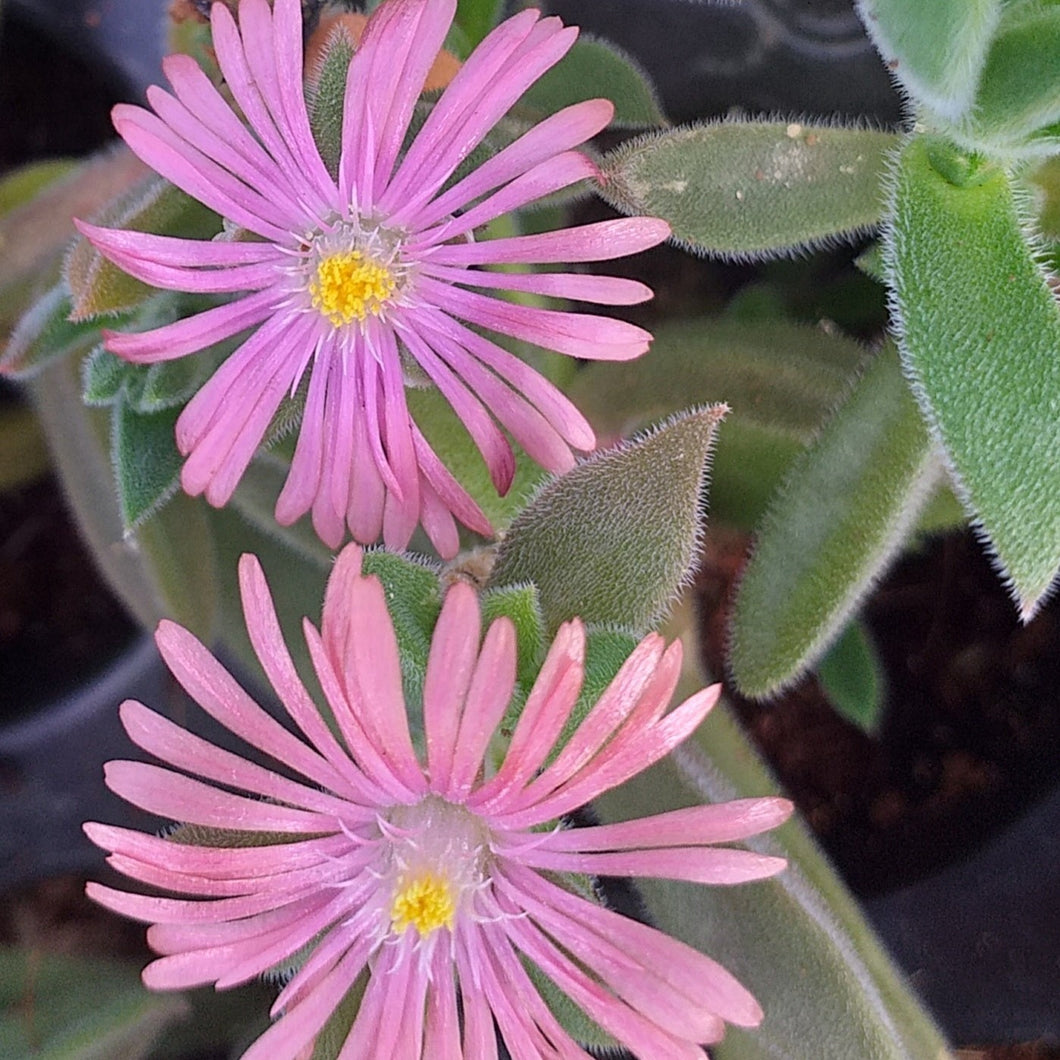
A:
{"points": [[349, 285], [425, 903]]}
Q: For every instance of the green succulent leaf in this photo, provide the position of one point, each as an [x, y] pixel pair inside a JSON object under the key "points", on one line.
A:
{"points": [[65, 1008], [852, 677], [326, 92], [980, 337], [935, 50], [781, 381], [100, 288], [520, 603], [613, 540], [1045, 183], [595, 68], [752, 189], [107, 377], [844, 510], [44, 334], [1017, 106], [477, 17], [798, 941], [146, 460]]}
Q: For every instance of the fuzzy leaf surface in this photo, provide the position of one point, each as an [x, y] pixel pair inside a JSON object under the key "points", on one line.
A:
{"points": [[852, 677], [980, 338], [752, 189], [613, 539], [781, 381], [146, 460], [595, 68], [935, 50], [842, 513]]}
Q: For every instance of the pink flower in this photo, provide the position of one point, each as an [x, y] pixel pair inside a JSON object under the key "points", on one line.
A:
{"points": [[348, 279], [431, 871]]}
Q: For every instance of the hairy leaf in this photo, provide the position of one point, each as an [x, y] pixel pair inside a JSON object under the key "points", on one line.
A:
{"points": [[752, 189], [844, 510], [980, 337], [614, 539]]}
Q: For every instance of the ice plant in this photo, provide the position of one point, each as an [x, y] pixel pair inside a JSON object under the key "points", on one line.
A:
{"points": [[348, 279], [426, 875]]}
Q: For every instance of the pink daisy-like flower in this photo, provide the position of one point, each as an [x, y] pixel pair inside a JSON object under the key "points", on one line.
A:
{"points": [[346, 279], [434, 873]]}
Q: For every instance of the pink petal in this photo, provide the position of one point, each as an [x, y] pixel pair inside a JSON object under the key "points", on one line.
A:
{"points": [[181, 253], [194, 333], [450, 664], [450, 492], [441, 1037], [574, 286], [583, 335], [601, 241]]}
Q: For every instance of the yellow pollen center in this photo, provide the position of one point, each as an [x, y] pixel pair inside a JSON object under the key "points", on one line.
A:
{"points": [[349, 285], [424, 902]]}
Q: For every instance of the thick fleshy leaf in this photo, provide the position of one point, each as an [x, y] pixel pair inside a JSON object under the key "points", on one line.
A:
{"points": [[1045, 180], [45, 333], [1017, 106], [68, 1008], [614, 539], [980, 337], [844, 510], [325, 95], [752, 189], [100, 288], [797, 941], [781, 381], [146, 460], [521, 605], [595, 68], [935, 50], [477, 17], [852, 677]]}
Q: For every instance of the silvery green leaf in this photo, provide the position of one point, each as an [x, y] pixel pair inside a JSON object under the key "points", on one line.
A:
{"points": [[745, 190], [614, 539], [845, 508], [979, 328]]}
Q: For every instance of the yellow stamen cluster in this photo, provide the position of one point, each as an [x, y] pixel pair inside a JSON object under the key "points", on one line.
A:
{"points": [[349, 285], [424, 902]]}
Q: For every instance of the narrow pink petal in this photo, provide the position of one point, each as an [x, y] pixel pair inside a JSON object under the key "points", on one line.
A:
{"points": [[338, 773], [216, 862], [369, 757], [450, 663], [441, 1037], [199, 281], [584, 335], [642, 1035], [541, 441], [488, 698], [382, 1009], [483, 90], [341, 425], [177, 747], [181, 798], [438, 522], [543, 179], [615, 704], [373, 668], [401, 452], [713, 865], [336, 614], [177, 252], [374, 417], [194, 333], [558, 132], [688, 972], [547, 709], [218, 693], [236, 382], [328, 521], [554, 405], [451, 493], [723, 822], [573, 286], [630, 753], [480, 1038], [364, 513], [303, 480], [299, 1026], [399, 523], [487, 436], [151, 140], [600, 241]]}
